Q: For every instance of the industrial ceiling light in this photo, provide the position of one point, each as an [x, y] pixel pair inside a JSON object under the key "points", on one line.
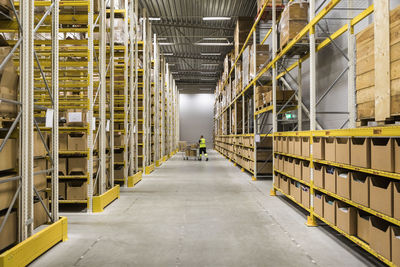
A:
{"points": [[162, 38], [214, 44], [205, 89], [216, 18], [166, 43], [208, 79], [210, 54], [210, 64], [215, 39], [157, 19], [168, 54], [208, 73]]}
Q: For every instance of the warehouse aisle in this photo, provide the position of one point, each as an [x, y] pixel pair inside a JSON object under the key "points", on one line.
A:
{"points": [[190, 213]]}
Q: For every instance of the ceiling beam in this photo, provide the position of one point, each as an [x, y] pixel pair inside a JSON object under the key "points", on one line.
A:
{"points": [[190, 25]]}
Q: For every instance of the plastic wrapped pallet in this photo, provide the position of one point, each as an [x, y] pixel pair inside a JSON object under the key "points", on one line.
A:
{"points": [[246, 66], [262, 56], [8, 85], [242, 30], [294, 19]]}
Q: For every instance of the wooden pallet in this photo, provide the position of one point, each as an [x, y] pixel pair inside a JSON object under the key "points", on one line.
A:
{"points": [[394, 120]]}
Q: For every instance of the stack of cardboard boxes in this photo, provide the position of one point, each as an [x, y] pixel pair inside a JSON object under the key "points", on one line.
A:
{"points": [[378, 193], [263, 96], [294, 19]]}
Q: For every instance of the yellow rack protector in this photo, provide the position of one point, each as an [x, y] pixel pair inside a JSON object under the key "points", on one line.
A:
{"points": [[100, 202]]}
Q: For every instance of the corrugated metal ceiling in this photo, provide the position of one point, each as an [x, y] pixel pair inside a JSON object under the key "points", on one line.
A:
{"points": [[182, 24]]}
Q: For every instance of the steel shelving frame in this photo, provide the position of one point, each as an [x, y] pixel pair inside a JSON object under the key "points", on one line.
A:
{"points": [[43, 239], [277, 64]]}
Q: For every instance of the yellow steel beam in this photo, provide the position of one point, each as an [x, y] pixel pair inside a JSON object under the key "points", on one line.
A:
{"points": [[100, 202]]}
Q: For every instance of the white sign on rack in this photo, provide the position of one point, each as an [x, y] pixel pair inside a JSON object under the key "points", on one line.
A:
{"points": [[49, 118], [108, 126], [74, 116]]}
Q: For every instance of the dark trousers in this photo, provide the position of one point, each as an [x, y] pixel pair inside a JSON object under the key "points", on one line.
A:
{"points": [[202, 150]]}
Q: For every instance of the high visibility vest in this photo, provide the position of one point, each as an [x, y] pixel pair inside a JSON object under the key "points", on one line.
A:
{"points": [[202, 143]]}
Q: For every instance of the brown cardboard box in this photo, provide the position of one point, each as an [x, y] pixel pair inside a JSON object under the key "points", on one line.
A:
{"points": [[76, 190], [305, 171], [8, 155], [289, 166], [119, 140], [395, 245], [39, 148], [39, 214], [77, 166], [77, 142], [342, 150], [318, 148], [119, 157], [40, 179], [319, 174], [282, 163], [380, 236], [361, 152], [330, 179], [319, 203], [119, 173], [276, 162], [76, 117], [381, 195], [62, 141], [7, 191], [297, 146], [62, 166], [297, 169], [62, 189], [305, 196], [8, 85], [343, 181], [360, 188], [396, 200], [330, 209], [346, 218], [397, 154], [305, 146], [9, 234], [284, 144], [330, 152], [280, 144], [277, 179], [363, 228], [290, 141], [382, 148], [285, 184], [295, 190]]}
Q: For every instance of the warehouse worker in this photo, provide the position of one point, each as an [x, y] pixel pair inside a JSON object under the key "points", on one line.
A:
{"points": [[202, 148]]}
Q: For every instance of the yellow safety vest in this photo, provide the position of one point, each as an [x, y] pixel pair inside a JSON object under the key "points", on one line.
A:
{"points": [[202, 143]]}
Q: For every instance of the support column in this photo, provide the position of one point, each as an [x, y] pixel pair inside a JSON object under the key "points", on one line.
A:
{"points": [[274, 88], [102, 100]]}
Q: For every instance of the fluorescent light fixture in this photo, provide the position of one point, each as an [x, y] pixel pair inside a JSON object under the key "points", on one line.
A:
{"points": [[208, 79], [216, 18], [208, 73], [155, 19], [210, 64], [210, 54], [166, 43], [173, 64], [205, 89], [214, 44], [214, 39], [162, 39], [174, 72], [168, 54]]}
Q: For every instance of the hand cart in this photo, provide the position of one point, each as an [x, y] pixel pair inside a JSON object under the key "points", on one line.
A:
{"points": [[191, 153]]}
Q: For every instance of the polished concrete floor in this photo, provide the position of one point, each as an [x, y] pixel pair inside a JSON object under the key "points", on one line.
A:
{"points": [[190, 213]]}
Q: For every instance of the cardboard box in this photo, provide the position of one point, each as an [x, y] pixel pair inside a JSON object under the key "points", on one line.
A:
{"points": [[8, 235], [343, 181], [305, 146], [8, 85], [346, 218], [77, 166], [295, 190], [395, 245], [290, 140], [276, 162], [280, 144], [77, 142], [305, 171], [8, 155], [119, 140], [276, 144], [62, 142], [7, 191], [361, 152], [330, 204], [342, 150], [397, 155], [62, 166], [282, 163], [297, 169], [297, 146], [330, 179], [62, 189], [76, 190], [305, 196], [319, 174], [382, 148], [119, 157], [285, 184], [40, 180], [380, 236], [39, 213], [396, 200], [318, 148], [39, 147], [76, 117], [360, 188], [277, 179], [330, 149], [284, 142], [381, 195], [319, 203], [363, 228], [289, 163]]}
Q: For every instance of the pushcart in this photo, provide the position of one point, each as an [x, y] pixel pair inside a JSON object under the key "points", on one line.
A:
{"points": [[191, 153]]}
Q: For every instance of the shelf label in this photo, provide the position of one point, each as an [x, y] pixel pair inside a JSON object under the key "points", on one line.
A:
{"points": [[108, 126], [49, 118], [257, 138]]}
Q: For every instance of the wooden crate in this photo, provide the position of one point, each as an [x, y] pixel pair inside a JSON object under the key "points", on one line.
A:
{"points": [[365, 81]]}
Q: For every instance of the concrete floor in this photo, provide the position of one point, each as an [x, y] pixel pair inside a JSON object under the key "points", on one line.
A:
{"points": [[190, 213]]}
